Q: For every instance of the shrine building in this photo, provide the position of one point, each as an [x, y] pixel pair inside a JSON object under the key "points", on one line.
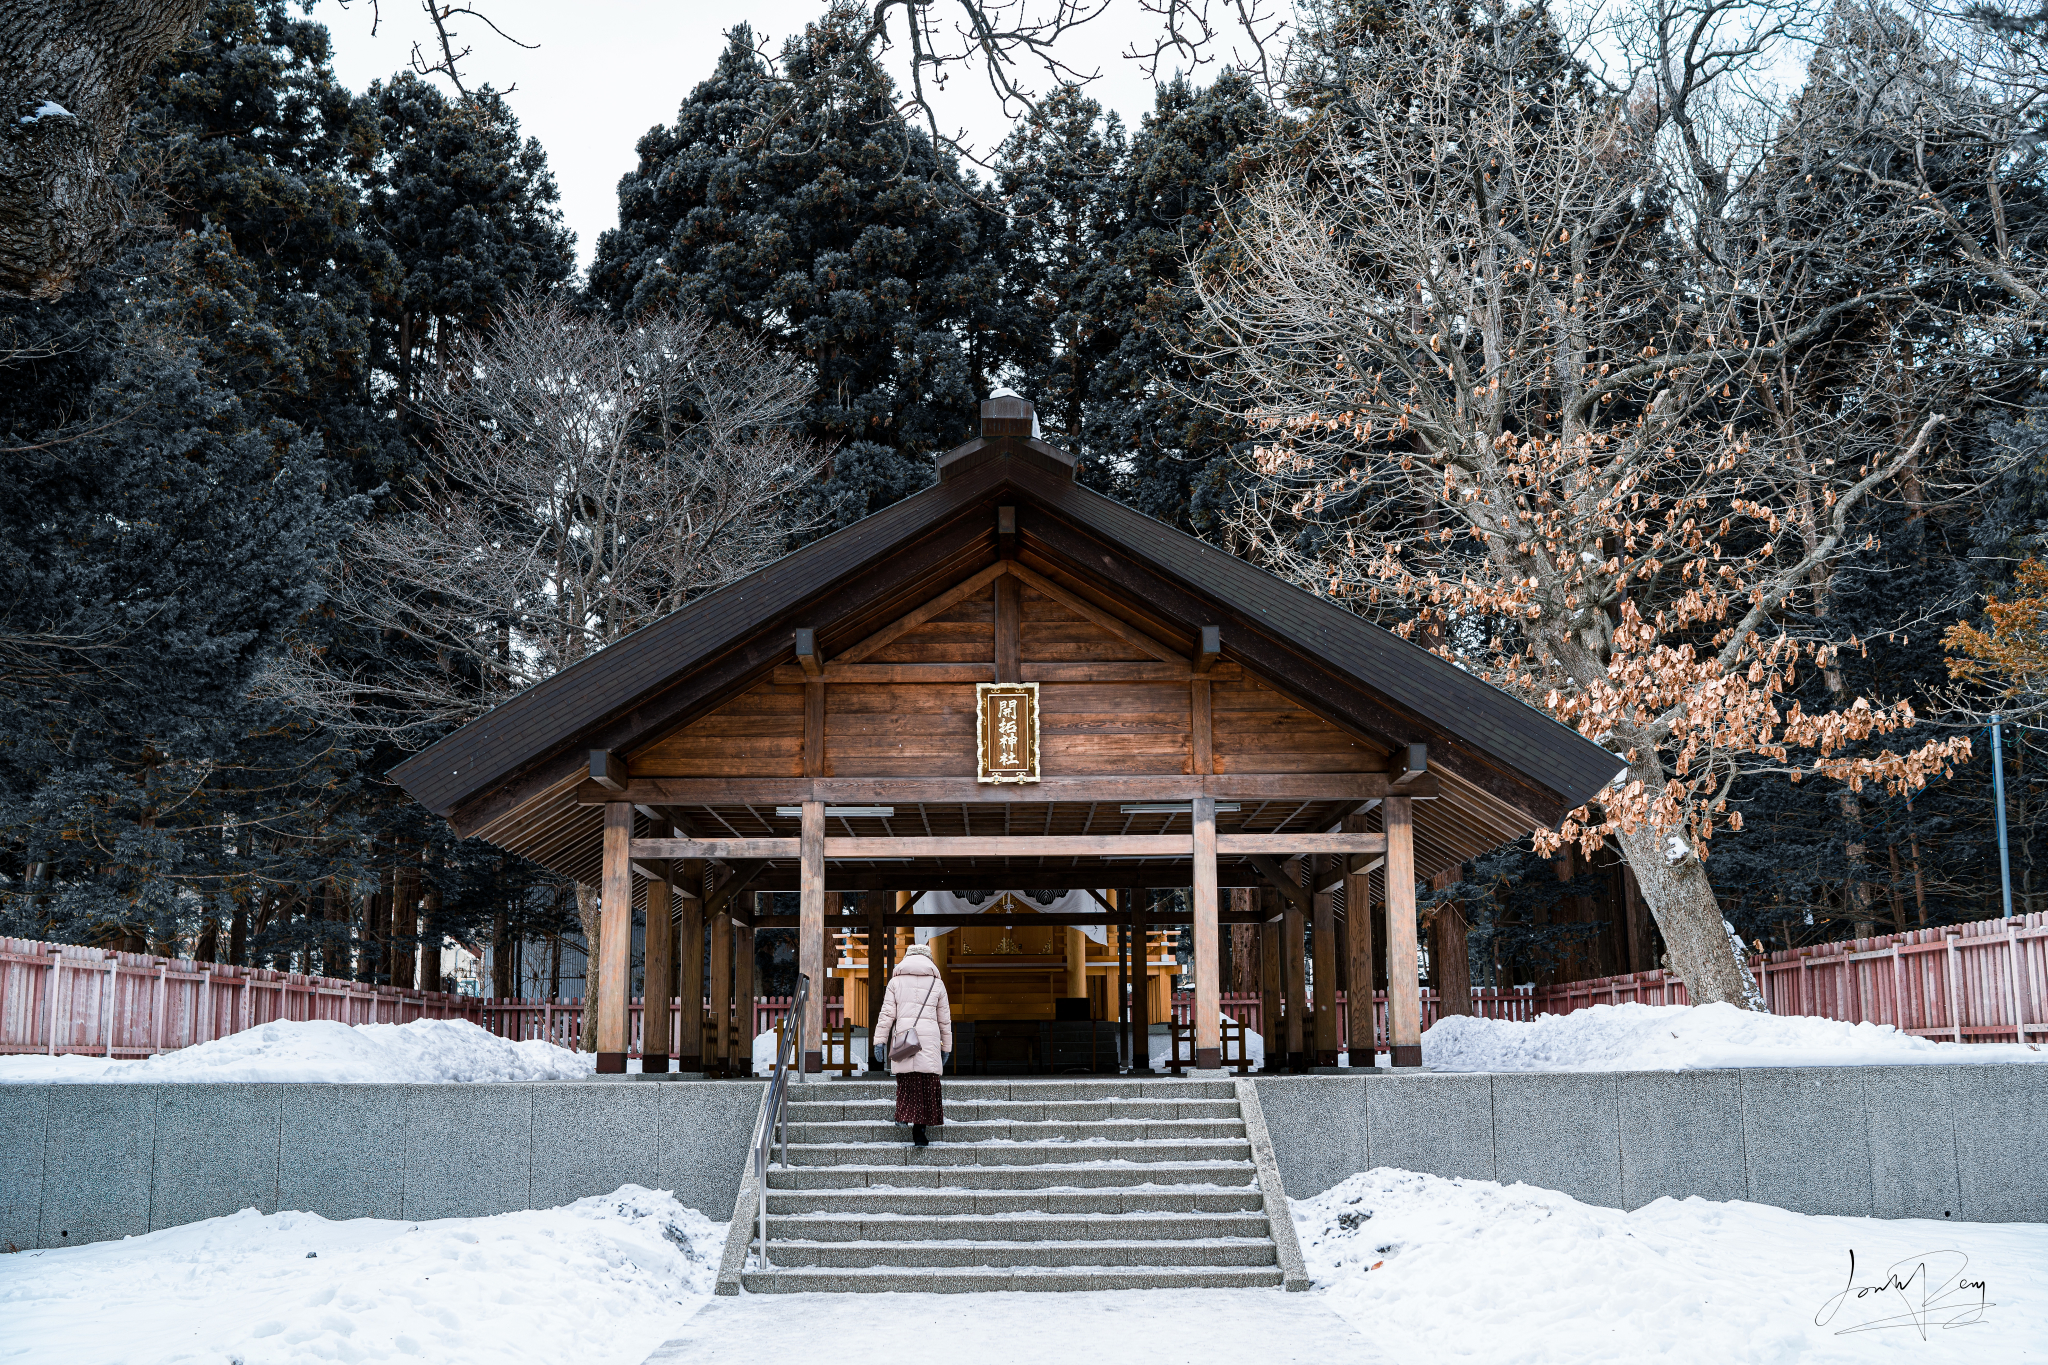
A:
{"points": [[1045, 733]]}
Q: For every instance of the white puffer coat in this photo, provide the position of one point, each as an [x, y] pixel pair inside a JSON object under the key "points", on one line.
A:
{"points": [[916, 997]]}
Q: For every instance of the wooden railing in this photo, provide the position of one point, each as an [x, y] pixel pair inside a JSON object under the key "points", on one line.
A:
{"points": [[1982, 982]]}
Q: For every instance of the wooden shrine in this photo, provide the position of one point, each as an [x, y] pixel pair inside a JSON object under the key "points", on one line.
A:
{"points": [[1010, 681]]}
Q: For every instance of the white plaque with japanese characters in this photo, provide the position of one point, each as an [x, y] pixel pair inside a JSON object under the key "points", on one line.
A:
{"points": [[1006, 732]]}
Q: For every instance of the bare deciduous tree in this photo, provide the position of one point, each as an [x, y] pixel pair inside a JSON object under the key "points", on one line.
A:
{"points": [[589, 479], [1523, 401]]}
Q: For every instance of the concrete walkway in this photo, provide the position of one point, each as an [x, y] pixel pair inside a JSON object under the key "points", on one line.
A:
{"points": [[1154, 1327]]}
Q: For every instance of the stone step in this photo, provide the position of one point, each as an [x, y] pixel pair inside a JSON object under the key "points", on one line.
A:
{"points": [[1028, 1091], [1008, 1255], [1016, 1153], [1071, 1130], [1020, 1227], [1199, 1174], [851, 1203], [1016, 1111], [947, 1280]]}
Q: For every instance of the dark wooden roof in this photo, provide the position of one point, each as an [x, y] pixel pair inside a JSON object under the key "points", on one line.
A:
{"points": [[1504, 766]]}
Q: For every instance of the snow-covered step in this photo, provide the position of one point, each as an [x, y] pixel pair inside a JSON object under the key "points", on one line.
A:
{"points": [[883, 1109], [976, 1280], [1003, 1255], [1000, 1152], [1070, 1130], [1092, 1175], [1018, 1227], [1137, 1199]]}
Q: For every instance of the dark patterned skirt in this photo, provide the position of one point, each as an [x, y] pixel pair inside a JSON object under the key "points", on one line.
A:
{"points": [[917, 1099]]}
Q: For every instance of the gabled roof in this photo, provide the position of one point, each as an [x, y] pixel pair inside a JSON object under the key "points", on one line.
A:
{"points": [[1504, 766]]}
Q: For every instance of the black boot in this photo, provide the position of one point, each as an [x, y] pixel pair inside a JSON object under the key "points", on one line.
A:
{"points": [[917, 1136]]}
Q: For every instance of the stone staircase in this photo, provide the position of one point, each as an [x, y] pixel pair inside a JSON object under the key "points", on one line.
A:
{"points": [[1030, 1185]]}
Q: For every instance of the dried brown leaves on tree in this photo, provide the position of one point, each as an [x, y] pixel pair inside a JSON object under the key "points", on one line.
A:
{"points": [[1598, 425]]}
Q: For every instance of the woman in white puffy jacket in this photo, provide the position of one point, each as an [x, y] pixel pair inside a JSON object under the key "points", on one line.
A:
{"points": [[916, 1001]]}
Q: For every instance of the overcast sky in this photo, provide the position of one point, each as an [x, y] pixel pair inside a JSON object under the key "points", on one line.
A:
{"points": [[605, 71]]}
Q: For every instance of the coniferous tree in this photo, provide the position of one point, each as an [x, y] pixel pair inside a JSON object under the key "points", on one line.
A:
{"points": [[800, 205]]}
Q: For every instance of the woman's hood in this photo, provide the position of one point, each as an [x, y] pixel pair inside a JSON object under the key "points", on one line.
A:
{"points": [[917, 964]]}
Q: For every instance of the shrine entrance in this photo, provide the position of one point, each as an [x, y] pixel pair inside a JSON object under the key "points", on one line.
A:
{"points": [[943, 720]]}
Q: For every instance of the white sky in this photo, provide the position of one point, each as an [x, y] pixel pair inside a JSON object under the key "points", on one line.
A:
{"points": [[607, 70]]}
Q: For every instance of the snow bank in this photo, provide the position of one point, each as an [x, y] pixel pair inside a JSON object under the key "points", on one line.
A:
{"points": [[601, 1280], [425, 1050], [1434, 1269], [1688, 1037]]}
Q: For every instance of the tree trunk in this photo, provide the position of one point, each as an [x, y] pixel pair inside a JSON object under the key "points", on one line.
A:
{"points": [[1681, 899], [1450, 961], [590, 910], [69, 70]]}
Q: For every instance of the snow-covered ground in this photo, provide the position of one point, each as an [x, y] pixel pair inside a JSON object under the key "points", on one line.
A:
{"points": [[323, 1050], [1434, 1269], [599, 1282], [1688, 1037]]}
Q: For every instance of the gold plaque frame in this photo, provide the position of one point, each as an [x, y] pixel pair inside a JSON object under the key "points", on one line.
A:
{"points": [[1006, 732]]}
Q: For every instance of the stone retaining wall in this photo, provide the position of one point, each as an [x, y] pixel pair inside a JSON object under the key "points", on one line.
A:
{"points": [[1892, 1142], [85, 1163]]}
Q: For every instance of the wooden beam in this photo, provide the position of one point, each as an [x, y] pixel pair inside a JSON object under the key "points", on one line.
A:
{"points": [[1009, 626], [1116, 626], [1208, 961], [608, 770], [1210, 648], [1360, 865], [910, 621], [742, 872], [1411, 764], [1404, 989], [910, 791], [808, 660], [1358, 951], [810, 939], [1277, 877], [894, 674], [615, 938], [814, 728], [1292, 844]]}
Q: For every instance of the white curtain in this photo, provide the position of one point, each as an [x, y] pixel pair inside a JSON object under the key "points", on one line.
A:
{"points": [[947, 903]]}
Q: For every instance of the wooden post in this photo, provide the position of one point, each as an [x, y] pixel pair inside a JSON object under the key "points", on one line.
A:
{"points": [[690, 962], [742, 998], [655, 1025], [810, 953], [1077, 962], [1323, 952], [720, 1050], [614, 970], [1009, 612], [877, 906], [1122, 1006], [1450, 962], [1404, 990], [1292, 984], [1359, 958], [1208, 942], [1271, 1026], [1141, 988]]}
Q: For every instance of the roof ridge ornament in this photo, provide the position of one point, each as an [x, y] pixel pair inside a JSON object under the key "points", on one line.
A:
{"points": [[1009, 431]]}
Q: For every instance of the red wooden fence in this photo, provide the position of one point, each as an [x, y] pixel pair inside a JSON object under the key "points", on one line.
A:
{"points": [[1982, 982]]}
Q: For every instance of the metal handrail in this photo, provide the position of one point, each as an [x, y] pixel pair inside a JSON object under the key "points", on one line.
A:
{"points": [[789, 1043]]}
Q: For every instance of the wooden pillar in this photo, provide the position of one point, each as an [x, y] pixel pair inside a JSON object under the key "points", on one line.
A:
{"points": [[1359, 972], [1120, 1008], [1208, 942], [1141, 987], [1077, 962], [719, 1049], [742, 998], [877, 904], [810, 953], [655, 1025], [614, 970], [1450, 959], [1323, 953], [1272, 1026], [1404, 990], [1292, 984], [690, 967]]}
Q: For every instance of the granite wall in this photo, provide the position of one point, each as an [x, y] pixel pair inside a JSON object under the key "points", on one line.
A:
{"points": [[1959, 1142], [84, 1163]]}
